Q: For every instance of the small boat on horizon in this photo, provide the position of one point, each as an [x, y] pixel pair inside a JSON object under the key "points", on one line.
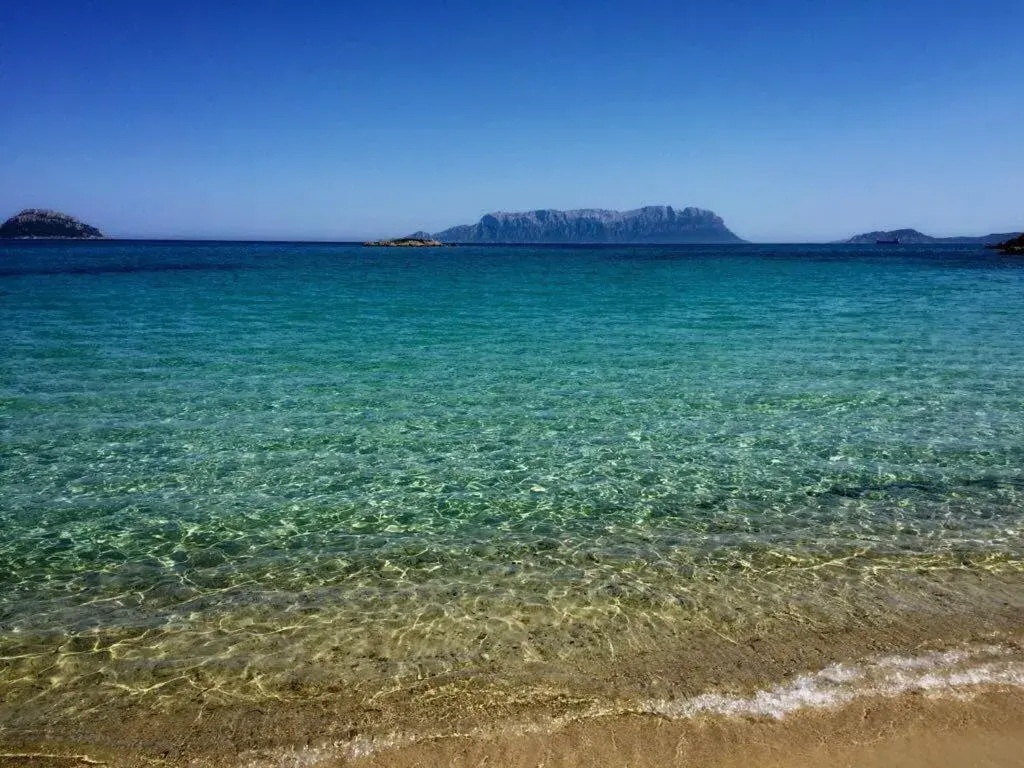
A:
{"points": [[887, 241]]}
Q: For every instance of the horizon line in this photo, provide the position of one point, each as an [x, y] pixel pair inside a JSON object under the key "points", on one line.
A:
{"points": [[363, 242]]}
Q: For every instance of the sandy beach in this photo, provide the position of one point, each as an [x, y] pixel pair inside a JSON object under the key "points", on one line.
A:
{"points": [[796, 700], [980, 728], [911, 731]]}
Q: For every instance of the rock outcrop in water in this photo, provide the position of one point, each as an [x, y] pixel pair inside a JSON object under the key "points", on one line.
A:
{"points": [[914, 237], [404, 242], [651, 224], [1014, 246], [35, 222]]}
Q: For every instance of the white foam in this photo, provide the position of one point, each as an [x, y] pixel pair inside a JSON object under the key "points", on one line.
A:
{"points": [[932, 673], [957, 674]]}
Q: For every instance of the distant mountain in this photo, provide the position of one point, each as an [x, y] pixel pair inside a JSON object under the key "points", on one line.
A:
{"points": [[34, 222], [651, 224], [913, 237]]}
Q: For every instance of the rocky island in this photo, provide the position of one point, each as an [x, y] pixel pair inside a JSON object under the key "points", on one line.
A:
{"points": [[914, 237], [651, 224], [404, 242], [1013, 246], [38, 223]]}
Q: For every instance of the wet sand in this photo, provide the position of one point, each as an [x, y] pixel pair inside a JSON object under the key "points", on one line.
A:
{"points": [[706, 690], [898, 695], [980, 730], [910, 732]]}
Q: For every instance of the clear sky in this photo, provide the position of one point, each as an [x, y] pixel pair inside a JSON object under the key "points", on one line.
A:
{"points": [[792, 119]]}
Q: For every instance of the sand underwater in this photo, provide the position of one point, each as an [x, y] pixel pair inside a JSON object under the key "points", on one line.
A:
{"points": [[297, 505]]}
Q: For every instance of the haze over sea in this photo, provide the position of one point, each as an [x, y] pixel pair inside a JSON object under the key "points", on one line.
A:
{"points": [[289, 475]]}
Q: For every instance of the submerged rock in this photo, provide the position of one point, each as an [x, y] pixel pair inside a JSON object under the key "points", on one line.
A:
{"points": [[35, 222]]}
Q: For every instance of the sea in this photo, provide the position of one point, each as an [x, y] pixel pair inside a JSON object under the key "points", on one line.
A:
{"points": [[260, 498]]}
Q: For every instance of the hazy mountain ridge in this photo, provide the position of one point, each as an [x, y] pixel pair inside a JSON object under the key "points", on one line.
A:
{"points": [[914, 237], [650, 224]]}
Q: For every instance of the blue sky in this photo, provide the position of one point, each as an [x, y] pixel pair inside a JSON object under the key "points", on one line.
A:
{"points": [[793, 119]]}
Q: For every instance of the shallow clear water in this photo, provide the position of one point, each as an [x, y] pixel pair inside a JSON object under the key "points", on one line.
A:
{"points": [[325, 462]]}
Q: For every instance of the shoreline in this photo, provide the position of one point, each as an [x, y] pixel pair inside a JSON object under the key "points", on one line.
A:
{"points": [[213, 686], [466, 718], [982, 728], [938, 708]]}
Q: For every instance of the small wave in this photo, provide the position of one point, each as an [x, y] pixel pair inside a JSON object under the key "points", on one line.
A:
{"points": [[953, 674], [937, 673]]}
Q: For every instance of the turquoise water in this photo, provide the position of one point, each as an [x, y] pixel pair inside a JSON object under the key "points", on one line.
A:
{"points": [[303, 463]]}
